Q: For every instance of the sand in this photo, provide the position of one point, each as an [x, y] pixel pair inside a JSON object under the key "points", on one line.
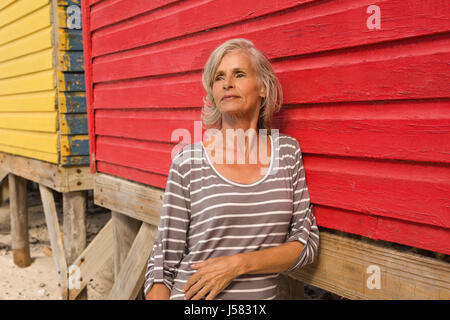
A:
{"points": [[39, 280]]}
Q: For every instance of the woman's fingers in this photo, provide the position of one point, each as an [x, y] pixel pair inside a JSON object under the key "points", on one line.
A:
{"points": [[191, 281], [193, 289], [202, 292]]}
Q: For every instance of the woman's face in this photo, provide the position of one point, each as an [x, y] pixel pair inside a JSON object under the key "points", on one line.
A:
{"points": [[236, 88]]}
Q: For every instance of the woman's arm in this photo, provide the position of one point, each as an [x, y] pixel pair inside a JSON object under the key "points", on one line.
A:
{"points": [[215, 274], [273, 260], [159, 291]]}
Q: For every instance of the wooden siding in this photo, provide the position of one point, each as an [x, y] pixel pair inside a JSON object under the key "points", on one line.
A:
{"points": [[74, 139], [370, 107], [42, 100], [28, 116]]}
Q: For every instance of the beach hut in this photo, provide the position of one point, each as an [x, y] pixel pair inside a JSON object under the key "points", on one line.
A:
{"points": [[366, 88], [43, 122]]}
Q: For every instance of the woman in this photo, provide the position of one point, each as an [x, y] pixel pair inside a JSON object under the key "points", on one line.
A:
{"points": [[228, 229]]}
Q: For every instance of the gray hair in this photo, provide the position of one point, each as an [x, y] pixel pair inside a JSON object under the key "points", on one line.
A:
{"points": [[211, 115]]}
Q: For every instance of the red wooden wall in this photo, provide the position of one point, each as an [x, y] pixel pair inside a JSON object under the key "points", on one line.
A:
{"points": [[370, 107]]}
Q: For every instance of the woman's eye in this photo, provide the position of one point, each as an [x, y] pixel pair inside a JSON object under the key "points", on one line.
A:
{"points": [[218, 78], [239, 75]]}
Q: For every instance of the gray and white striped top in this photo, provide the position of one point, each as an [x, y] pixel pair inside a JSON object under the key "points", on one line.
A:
{"points": [[205, 215]]}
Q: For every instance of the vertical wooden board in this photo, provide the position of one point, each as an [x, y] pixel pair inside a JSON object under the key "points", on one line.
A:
{"points": [[73, 123], [70, 40], [55, 236], [74, 145], [72, 102]]}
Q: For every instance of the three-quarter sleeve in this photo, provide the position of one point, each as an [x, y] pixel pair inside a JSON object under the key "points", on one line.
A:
{"points": [[170, 241], [303, 226]]}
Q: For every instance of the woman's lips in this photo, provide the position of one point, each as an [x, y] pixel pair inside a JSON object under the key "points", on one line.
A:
{"points": [[229, 97]]}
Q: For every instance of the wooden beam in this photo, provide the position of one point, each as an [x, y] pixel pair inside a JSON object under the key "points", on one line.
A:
{"points": [[19, 221], [91, 260], [135, 200], [132, 274], [74, 220], [349, 267], [125, 230], [55, 236], [58, 178]]}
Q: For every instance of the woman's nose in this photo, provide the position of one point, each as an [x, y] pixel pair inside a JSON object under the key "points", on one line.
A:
{"points": [[228, 83]]}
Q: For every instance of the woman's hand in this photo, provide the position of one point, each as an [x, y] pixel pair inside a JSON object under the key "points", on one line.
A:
{"points": [[212, 276]]}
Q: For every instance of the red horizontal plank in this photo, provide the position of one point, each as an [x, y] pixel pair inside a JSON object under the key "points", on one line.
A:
{"points": [[113, 11], [142, 155], [413, 130], [422, 72], [152, 179], [331, 22], [402, 190], [381, 228], [181, 91], [156, 125], [288, 34], [402, 130], [180, 19]]}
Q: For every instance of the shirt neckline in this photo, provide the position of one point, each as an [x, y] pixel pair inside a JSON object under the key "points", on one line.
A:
{"points": [[237, 183]]}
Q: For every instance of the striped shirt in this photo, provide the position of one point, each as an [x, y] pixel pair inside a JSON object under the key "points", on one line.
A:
{"points": [[206, 215]]}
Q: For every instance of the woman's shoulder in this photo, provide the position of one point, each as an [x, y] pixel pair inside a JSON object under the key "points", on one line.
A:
{"points": [[186, 156], [286, 143]]}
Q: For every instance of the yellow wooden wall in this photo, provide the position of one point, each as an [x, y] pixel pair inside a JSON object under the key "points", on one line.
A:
{"points": [[42, 100]]}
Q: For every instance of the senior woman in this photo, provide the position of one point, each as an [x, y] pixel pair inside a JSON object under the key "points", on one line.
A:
{"points": [[228, 229]]}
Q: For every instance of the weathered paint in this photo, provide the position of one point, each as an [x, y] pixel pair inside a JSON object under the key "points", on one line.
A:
{"points": [[72, 102], [73, 123], [368, 105], [74, 145], [75, 160]]}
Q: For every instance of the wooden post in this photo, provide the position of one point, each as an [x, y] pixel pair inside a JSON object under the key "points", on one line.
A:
{"points": [[129, 282], [125, 230], [74, 224], [19, 221], [51, 217]]}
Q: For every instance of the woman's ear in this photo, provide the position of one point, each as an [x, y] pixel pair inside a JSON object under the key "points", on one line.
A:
{"points": [[262, 92]]}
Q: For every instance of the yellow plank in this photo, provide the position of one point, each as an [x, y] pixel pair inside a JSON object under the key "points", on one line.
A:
{"points": [[36, 41], [19, 9], [35, 21], [38, 141], [31, 121], [49, 157], [29, 102], [5, 3], [30, 63], [39, 81]]}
